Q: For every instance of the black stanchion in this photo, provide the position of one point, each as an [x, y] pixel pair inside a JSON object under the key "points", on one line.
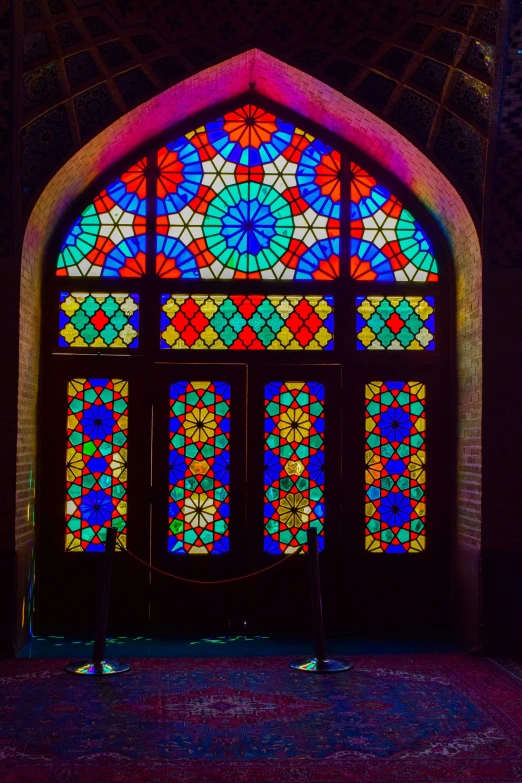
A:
{"points": [[98, 666], [321, 662]]}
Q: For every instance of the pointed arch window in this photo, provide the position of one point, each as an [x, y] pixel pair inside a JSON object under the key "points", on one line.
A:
{"points": [[252, 234]]}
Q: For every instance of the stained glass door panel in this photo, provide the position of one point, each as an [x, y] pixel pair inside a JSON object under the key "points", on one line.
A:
{"points": [[244, 460], [294, 465], [294, 427], [224, 508], [400, 494], [199, 468], [95, 474], [199, 475]]}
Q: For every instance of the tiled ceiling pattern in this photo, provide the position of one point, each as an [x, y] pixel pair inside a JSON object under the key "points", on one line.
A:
{"points": [[505, 193], [425, 66]]}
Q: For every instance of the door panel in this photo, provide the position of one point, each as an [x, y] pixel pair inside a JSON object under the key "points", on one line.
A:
{"points": [[291, 430], [363, 592], [278, 600], [199, 496], [396, 592], [94, 462]]}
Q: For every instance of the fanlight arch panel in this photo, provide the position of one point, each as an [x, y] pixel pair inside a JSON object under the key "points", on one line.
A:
{"points": [[247, 196]]}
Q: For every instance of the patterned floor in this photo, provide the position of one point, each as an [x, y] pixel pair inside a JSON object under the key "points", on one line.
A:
{"points": [[394, 718]]}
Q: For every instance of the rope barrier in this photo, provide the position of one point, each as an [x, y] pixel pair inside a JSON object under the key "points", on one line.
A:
{"points": [[215, 582]]}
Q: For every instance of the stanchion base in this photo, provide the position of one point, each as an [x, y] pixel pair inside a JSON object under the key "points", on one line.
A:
{"points": [[99, 669], [317, 665]]}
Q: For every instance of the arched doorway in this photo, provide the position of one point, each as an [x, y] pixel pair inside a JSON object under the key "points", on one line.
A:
{"points": [[249, 310]]}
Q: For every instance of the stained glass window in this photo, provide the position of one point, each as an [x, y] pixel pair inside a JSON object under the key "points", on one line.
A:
{"points": [[253, 323], [108, 239], [248, 196], [387, 243], [96, 462], [395, 466], [294, 464], [199, 468], [400, 323], [99, 320]]}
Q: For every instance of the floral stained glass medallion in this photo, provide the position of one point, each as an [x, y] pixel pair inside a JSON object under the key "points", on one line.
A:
{"points": [[99, 320], [395, 466], [97, 432], [248, 196], [294, 465], [387, 243], [199, 468], [251, 323], [108, 239], [395, 323]]}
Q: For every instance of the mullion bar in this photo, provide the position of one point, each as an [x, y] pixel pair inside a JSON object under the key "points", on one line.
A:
{"points": [[152, 179], [343, 312], [150, 299]]}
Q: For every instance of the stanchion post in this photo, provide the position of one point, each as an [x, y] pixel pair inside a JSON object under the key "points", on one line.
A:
{"points": [[317, 604], [102, 618], [98, 665], [321, 662]]}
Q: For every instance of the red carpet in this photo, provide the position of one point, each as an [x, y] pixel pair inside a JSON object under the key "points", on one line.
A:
{"points": [[394, 718]]}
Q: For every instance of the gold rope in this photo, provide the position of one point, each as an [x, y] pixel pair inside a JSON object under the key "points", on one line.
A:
{"points": [[216, 582]]}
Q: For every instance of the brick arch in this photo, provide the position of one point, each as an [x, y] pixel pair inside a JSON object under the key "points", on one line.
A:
{"points": [[322, 104]]}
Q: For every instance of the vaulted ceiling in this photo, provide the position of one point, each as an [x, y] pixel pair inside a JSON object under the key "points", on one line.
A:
{"points": [[425, 66]]}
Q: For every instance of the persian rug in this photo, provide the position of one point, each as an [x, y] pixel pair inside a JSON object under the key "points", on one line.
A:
{"points": [[392, 719], [511, 665]]}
